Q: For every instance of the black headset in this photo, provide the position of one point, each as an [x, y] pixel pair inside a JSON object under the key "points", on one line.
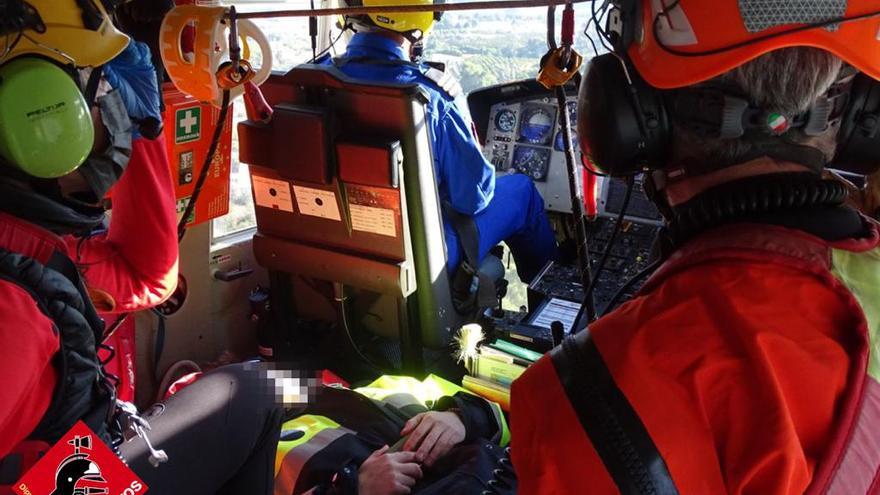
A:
{"points": [[626, 125], [626, 128]]}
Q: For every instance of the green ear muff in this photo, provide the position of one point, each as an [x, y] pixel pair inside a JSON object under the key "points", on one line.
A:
{"points": [[45, 124]]}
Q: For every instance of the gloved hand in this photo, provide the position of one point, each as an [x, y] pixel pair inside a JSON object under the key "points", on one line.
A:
{"points": [[133, 75]]}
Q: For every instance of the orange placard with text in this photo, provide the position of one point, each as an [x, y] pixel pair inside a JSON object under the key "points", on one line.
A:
{"points": [[189, 128], [80, 463]]}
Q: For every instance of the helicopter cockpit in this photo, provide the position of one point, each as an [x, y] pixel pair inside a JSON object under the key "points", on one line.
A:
{"points": [[313, 220]]}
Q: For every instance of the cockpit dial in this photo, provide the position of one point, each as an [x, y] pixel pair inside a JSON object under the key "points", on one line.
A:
{"points": [[531, 161], [559, 143], [505, 120], [536, 126]]}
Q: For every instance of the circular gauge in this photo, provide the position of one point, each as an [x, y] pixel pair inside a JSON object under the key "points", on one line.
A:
{"points": [[536, 127], [531, 161], [505, 121], [559, 144]]}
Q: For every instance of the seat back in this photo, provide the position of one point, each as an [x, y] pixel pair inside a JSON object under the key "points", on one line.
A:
{"points": [[345, 191]]}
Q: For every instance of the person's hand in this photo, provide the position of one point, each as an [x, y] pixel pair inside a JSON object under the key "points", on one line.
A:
{"points": [[432, 435], [386, 473], [133, 75]]}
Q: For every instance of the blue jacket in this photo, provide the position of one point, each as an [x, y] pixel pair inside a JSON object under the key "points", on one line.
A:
{"points": [[465, 179]]}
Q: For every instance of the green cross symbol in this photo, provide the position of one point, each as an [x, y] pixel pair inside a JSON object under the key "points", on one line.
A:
{"points": [[188, 125]]}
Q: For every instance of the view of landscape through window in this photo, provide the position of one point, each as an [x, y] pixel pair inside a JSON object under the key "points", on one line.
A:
{"points": [[481, 48]]}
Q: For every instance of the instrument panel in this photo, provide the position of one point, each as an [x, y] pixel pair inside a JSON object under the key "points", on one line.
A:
{"points": [[522, 137], [518, 125]]}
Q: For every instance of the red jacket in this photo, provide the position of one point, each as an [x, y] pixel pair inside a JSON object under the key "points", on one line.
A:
{"points": [[135, 263], [747, 366]]}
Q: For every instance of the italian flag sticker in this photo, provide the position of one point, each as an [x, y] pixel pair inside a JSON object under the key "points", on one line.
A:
{"points": [[777, 123]]}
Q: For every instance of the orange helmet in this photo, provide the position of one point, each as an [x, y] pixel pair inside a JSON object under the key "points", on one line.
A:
{"points": [[685, 42]]}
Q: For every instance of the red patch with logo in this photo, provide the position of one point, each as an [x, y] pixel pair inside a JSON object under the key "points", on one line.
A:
{"points": [[80, 464]]}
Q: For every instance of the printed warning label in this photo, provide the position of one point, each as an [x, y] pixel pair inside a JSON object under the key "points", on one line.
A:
{"points": [[317, 203], [375, 220], [271, 193]]}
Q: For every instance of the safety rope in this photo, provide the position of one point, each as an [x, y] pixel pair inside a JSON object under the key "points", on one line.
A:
{"points": [[558, 66]]}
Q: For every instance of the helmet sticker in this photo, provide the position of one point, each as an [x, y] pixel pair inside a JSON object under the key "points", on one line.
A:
{"points": [[777, 124], [760, 15]]}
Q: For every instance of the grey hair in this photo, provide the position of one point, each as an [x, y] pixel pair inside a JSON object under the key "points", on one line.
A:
{"points": [[786, 81]]}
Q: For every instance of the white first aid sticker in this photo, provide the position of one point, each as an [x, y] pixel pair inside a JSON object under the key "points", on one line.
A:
{"points": [[375, 220], [317, 203], [271, 193]]}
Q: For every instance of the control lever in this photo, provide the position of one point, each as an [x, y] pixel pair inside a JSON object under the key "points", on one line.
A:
{"points": [[255, 104]]}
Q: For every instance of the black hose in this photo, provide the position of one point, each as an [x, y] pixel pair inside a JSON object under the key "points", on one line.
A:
{"points": [[577, 206], [600, 267], [313, 33], [629, 285]]}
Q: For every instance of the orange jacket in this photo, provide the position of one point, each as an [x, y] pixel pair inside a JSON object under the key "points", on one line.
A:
{"points": [[743, 359]]}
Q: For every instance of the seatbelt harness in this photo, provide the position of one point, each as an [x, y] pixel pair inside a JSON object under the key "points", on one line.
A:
{"points": [[471, 289], [614, 428]]}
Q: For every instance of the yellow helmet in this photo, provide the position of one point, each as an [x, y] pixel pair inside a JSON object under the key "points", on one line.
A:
{"points": [[67, 31], [413, 25]]}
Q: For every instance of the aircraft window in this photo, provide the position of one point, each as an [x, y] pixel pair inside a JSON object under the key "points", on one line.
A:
{"points": [[290, 47], [477, 47], [241, 202]]}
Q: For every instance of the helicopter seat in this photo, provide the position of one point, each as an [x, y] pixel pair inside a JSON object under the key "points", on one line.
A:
{"points": [[345, 191]]}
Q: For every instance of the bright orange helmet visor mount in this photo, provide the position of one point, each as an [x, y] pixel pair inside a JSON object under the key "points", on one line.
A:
{"points": [[686, 42]]}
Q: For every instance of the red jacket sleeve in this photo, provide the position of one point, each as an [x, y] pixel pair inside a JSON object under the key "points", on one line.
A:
{"points": [[136, 261], [28, 376]]}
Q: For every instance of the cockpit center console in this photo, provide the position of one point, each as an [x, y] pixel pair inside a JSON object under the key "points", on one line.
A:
{"points": [[518, 126]]}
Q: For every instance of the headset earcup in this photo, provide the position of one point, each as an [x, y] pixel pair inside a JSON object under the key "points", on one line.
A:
{"points": [[623, 127], [46, 127], [858, 148]]}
